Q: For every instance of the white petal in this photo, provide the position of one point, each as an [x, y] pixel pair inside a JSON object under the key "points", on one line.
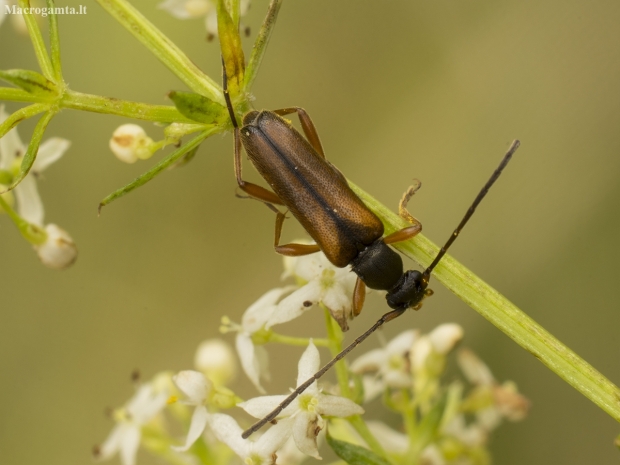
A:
{"points": [[129, 445], [474, 369], [211, 22], [295, 305], [193, 384], [369, 362], [310, 267], [390, 439], [309, 363], [11, 145], [29, 205], [260, 311], [373, 386], [146, 404], [49, 152], [397, 379], [402, 343], [216, 360], [196, 427], [338, 299], [259, 407], [274, 438], [185, 9], [432, 455], [335, 406], [249, 359], [228, 431], [112, 443], [419, 353], [444, 337], [305, 432]]}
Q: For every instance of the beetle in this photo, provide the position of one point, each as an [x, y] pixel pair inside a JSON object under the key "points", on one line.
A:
{"points": [[343, 227], [318, 195]]}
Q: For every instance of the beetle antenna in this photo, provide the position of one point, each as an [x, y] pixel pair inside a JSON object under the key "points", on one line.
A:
{"points": [[511, 150], [229, 105], [305, 385]]}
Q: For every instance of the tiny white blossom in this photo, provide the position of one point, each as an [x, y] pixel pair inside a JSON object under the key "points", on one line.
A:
{"points": [[187, 9], [130, 143], [196, 387], [58, 251], [390, 364], [254, 358], [125, 437], [216, 360], [445, 336], [259, 452], [324, 284], [12, 149], [308, 409]]}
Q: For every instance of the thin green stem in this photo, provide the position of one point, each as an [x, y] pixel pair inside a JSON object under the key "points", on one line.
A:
{"points": [[163, 48], [297, 341], [362, 429], [19, 95], [20, 115], [260, 45], [334, 335], [505, 315], [54, 40], [114, 106], [32, 233], [408, 414], [38, 43]]}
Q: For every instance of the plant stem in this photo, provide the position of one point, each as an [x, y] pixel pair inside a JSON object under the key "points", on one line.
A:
{"points": [[163, 48], [54, 41], [504, 315], [114, 106], [37, 41], [260, 45], [297, 341]]}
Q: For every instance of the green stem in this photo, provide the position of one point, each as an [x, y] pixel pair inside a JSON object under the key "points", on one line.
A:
{"points": [[20, 115], [505, 315], [334, 335], [114, 106], [297, 341], [362, 429], [408, 414], [54, 41], [163, 48], [19, 95], [30, 232], [37, 41]]}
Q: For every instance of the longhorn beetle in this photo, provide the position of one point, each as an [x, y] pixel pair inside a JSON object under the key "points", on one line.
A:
{"points": [[343, 227]]}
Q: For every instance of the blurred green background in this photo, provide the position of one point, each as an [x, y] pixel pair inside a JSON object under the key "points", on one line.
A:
{"points": [[398, 90]]}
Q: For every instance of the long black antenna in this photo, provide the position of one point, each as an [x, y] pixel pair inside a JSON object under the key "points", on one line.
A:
{"points": [[511, 150], [229, 105], [394, 313]]}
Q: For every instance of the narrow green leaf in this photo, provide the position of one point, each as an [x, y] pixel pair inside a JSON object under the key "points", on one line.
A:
{"points": [[354, 455], [260, 45], [199, 108], [54, 40], [30, 81], [162, 165], [38, 43], [20, 115], [33, 148], [232, 52]]}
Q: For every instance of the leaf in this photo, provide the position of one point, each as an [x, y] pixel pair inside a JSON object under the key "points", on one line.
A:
{"points": [[354, 455], [31, 81], [232, 52], [199, 108]]}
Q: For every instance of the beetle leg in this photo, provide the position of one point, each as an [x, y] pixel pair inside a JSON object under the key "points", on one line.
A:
{"points": [[307, 125], [253, 190], [359, 295], [410, 231], [291, 250]]}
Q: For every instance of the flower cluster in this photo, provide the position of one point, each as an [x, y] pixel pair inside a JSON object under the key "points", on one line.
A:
{"points": [[442, 424], [53, 244]]}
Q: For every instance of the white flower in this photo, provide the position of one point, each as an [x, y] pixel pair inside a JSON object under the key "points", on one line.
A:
{"points": [[490, 400], [259, 452], [58, 251], [126, 435], [308, 409], [187, 9], [324, 284], [129, 143], [445, 336], [216, 360], [254, 359], [196, 387], [390, 363], [12, 149]]}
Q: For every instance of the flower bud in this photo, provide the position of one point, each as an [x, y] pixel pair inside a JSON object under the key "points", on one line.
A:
{"points": [[216, 360], [130, 143], [58, 251], [444, 337]]}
